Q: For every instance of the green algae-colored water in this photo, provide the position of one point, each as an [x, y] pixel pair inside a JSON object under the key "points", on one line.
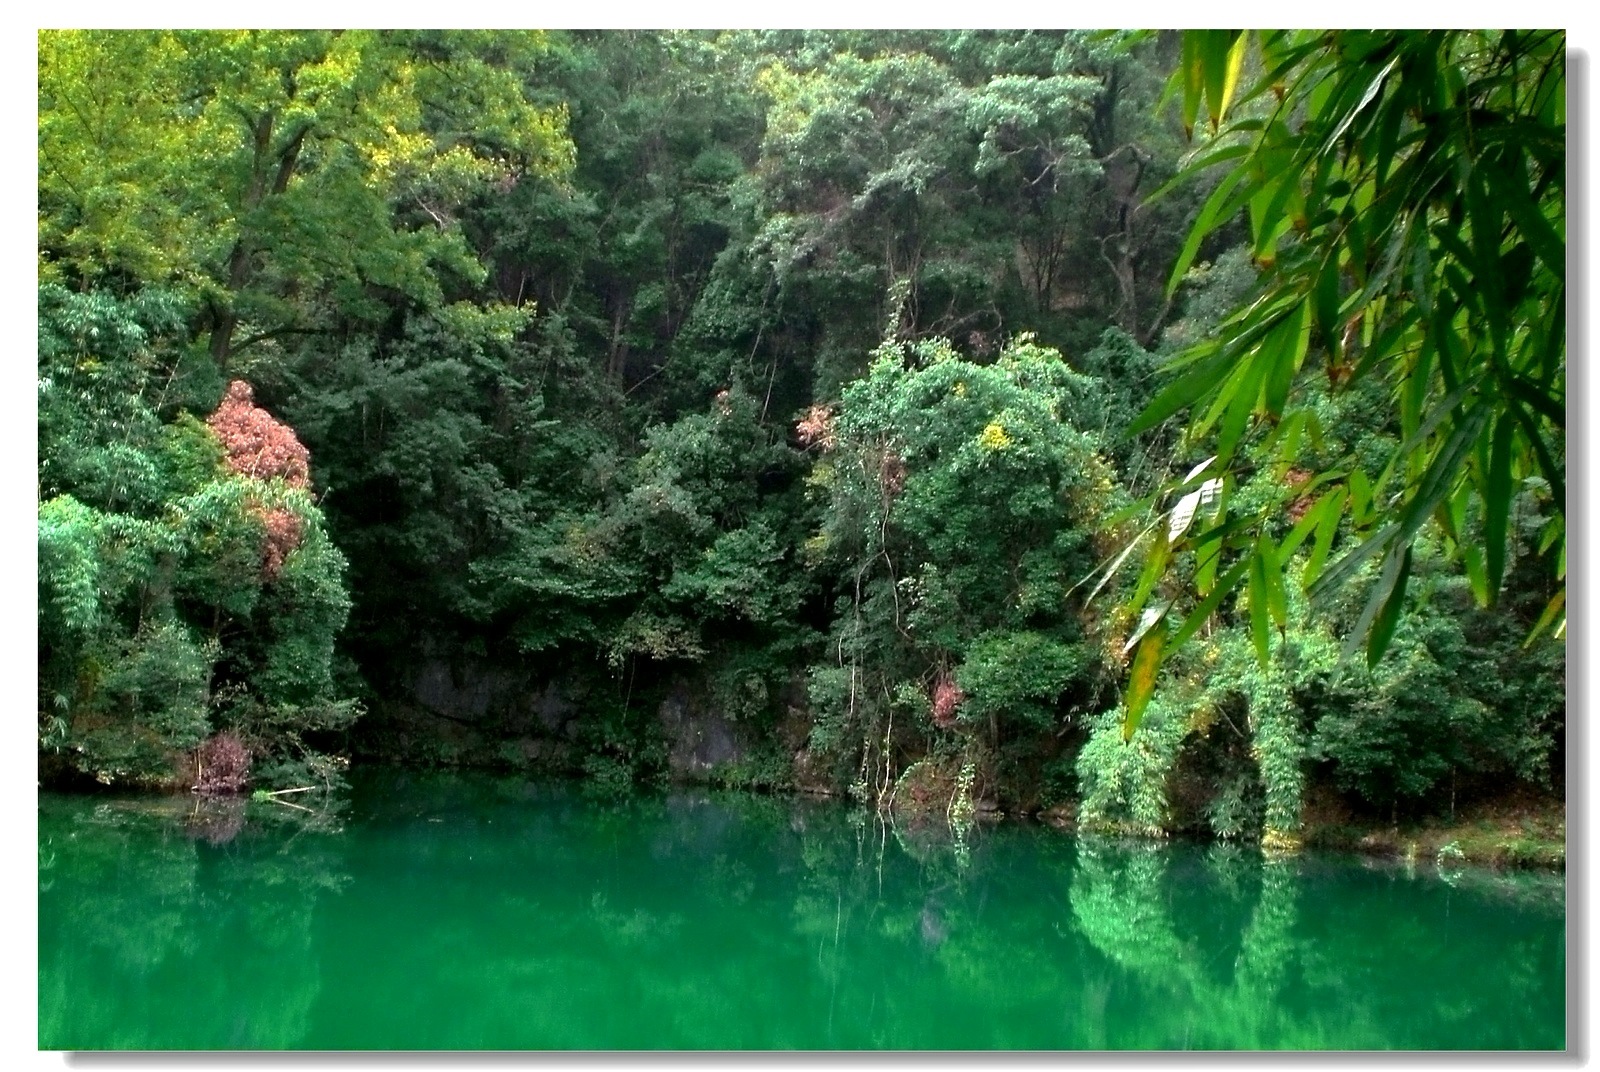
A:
{"points": [[472, 912]]}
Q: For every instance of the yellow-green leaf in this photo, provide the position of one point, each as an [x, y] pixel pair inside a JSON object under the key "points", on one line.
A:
{"points": [[1142, 680]]}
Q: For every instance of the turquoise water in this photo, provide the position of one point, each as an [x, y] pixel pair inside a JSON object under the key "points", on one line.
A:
{"points": [[472, 912]]}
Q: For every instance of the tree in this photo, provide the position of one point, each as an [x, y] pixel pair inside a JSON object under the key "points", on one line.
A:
{"points": [[960, 502], [187, 588], [1405, 200], [288, 179]]}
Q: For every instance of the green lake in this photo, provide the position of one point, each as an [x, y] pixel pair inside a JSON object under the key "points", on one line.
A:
{"points": [[433, 911]]}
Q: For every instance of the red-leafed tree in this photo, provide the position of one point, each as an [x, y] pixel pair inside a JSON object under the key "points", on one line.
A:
{"points": [[947, 697], [260, 446], [257, 443]]}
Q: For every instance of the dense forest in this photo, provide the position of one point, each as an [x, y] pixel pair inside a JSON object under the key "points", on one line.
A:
{"points": [[1163, 427]]}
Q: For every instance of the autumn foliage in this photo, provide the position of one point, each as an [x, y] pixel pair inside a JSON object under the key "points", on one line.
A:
{"points": [[260, 446], [284, 531], [815, 428], [222, 764], [947, 696]]}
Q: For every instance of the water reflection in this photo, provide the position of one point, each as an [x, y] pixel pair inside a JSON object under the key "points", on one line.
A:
{"points": [[462, 912], [148, 899]]}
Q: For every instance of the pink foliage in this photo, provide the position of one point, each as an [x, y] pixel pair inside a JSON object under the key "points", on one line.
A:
{"points": [[284, 531], [223, 764], [815, 428], [258, 445], [947, 696]]}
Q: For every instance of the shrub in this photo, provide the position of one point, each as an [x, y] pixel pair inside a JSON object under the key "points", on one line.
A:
{"points": [[222, 764]]}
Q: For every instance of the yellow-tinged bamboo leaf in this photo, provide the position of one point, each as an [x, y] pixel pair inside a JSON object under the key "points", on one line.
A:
{"points": [[1147, 621], [1553, 611], [1193, 81], [1272, 570], [1360, 497], [1142, 680], [1214, 70], [1230, 78], [1477, 575], [1155, 564]]}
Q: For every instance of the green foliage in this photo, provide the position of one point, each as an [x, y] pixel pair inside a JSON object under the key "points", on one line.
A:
{"points": [[157, 615], [1461, 702], [1235, 676], [958, 510], [765, 769], [1405, 190], [250, 167], [1123, 783], [723, 360], [1020, 675], [608, 776]]}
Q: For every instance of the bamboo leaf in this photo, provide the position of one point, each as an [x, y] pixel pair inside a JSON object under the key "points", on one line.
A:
{"points": [[1198, 469], [1366, 99], [1528, 394], [1303, 528], [1204, 223], [1497, 504], [1291, 355], [1183, 514], [1201, 162], [1477, 574], [1180, 393], [1541, 451], [1230, 79], [1330, 509], [1245, 394], [1216, 46], [1389, 615], [1116, 564], [1193, 81], [1377, 598], [1360, 497], [1272, 572], [1142, 681], [1208, 606], [1260, 630], [1552, 611], [1548, 245], [1345, 568], [1487, 282], [1147, 621], [1154, 566]]}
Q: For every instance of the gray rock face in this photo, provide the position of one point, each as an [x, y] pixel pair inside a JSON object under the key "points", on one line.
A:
{"points": [[463, 710], [489, 697], [698, 740], [463, 693]]}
